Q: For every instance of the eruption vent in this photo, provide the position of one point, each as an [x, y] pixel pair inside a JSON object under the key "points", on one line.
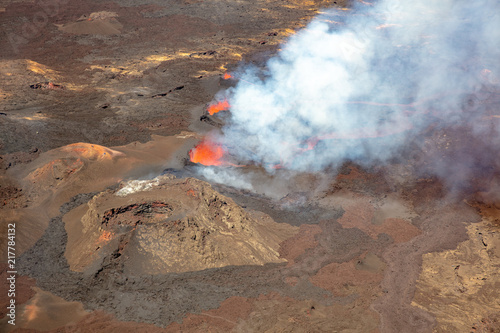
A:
{"points": [[220, 106], [207, 153], [360, 85]]}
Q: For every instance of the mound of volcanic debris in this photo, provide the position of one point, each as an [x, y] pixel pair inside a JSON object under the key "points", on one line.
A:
{"points": [[169, 225]]}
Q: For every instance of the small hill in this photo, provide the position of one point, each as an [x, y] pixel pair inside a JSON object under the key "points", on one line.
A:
{"points": [[169, 225]]}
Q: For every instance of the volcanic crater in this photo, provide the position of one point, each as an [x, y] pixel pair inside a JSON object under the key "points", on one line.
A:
{"points": [[175, 226]]}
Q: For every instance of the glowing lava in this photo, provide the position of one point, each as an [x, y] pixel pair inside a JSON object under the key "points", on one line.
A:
{"points": [[212, 154], [220, 106], [227, 76], [207, 153], [105, 237]]}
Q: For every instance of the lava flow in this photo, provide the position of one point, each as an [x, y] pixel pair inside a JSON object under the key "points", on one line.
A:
{"points": [[220, 106], [227, 76], [208, 153]]}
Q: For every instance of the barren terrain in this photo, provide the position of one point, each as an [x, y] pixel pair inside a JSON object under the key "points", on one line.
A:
{"points": [[116, 231]]}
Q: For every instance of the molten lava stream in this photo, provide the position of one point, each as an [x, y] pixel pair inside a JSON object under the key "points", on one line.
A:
{"points": [[210, 153], [220, 106], [207, 153]]}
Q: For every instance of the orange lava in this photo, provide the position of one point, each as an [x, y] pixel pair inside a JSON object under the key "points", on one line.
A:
{"points": [[105, 236], [207, 153], [220, 106], [227, 76]]}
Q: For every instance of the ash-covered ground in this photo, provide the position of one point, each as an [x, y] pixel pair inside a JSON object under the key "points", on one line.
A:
{"points": [[115, 232]]}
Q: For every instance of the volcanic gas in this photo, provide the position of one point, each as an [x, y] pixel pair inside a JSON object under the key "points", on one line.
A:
{"points": [[355, 82]]}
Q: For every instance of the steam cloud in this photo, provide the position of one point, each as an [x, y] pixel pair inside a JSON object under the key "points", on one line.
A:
{"points": [[359, 80]]}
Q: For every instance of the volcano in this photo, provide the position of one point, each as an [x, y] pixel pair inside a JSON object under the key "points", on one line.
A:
{"points": [[173, 226], [344, 175]]}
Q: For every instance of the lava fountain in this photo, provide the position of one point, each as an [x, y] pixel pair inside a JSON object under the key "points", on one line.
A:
{"points": [[219, 106]]}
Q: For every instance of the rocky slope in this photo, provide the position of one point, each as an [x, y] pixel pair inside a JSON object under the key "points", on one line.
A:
{"points": [[170, 225]]}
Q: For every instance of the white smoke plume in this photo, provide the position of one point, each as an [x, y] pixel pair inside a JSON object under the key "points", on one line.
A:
{"points": [[228, 177], [354, 85]]}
